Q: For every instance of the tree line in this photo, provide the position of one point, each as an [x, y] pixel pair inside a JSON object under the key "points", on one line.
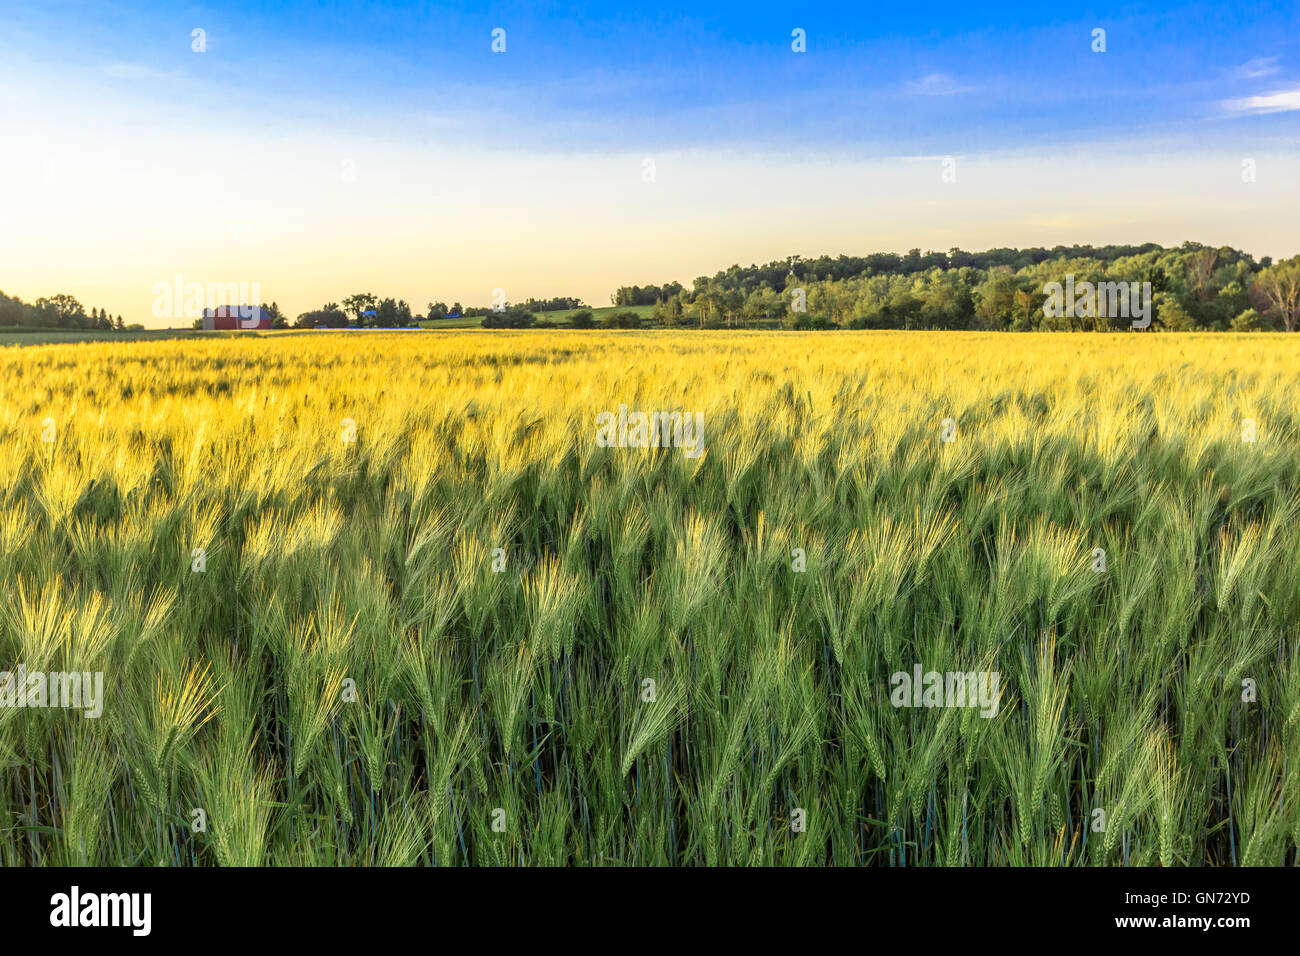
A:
{"points": [[60, 311], [1194, 287]]}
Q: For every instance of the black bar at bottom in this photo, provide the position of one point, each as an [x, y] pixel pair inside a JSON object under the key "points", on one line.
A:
{"points": [[336, 907]]}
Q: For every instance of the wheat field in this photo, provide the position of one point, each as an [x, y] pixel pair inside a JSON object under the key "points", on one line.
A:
{"points": [[387, 600]]}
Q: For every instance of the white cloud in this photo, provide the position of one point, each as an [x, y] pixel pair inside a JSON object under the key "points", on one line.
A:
{"points": [[1282, 101], [1260, 66]]}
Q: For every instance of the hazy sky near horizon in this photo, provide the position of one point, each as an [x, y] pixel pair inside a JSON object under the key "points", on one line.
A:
{"points": [[320, 149]]}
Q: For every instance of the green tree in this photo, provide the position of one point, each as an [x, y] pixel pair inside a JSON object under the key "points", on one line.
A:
{"points": [[1171, 314], [354, 305], [1026, 304], [62, 310], [386, 314], [995, 300], [1279, 286], [330, 317], [1250, 320], [277, 318]]}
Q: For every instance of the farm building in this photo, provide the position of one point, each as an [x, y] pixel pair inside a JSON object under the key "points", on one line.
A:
{"points": [[236, 317]]}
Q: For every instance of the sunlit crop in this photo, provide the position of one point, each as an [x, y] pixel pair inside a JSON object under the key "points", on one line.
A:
{"points": [[384, 599]]}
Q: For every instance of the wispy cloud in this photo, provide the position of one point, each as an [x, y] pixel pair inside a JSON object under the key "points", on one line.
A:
{"points": [[937, 84], [1260, 66], [1283, 101]]}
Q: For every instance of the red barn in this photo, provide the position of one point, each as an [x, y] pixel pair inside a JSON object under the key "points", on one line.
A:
{"points": [[232, 317]]}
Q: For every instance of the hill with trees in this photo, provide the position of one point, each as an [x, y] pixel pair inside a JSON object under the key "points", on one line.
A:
{"points": [[1194, 287]]}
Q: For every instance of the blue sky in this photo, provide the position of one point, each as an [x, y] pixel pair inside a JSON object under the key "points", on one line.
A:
{"points": [[440, 133], [885, 79]]}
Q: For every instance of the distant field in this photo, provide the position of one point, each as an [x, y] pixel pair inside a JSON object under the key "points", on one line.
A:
{"points": [[71, 336], [472, 322], [390, 599], [560, 317]]}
